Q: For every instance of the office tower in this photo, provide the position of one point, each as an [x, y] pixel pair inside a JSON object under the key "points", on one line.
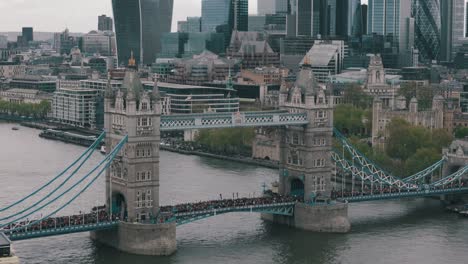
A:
{"points": [[271, 7], [215, 13], [266, 7], [452, 28], [105, 23], [191, 25], [348, 18], [390, 18], [364, 18], [27, 34], [304, 17], [139, 26], [240, 15], [427, 28], [466, 23]]}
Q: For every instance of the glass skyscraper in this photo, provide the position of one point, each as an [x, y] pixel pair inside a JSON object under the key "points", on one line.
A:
{"points": [[231, 13], [427, 28], [139, 25], [452, 28], [390, 18]]}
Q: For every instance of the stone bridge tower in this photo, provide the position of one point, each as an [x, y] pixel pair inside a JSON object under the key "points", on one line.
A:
{"points": [[133, 176], [305, 151], [305, 158], [132, 180]]}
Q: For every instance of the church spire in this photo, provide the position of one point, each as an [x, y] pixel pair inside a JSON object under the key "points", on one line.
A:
{"points": [[131, 61]]}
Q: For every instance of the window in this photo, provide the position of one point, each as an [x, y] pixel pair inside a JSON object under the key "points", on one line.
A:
{"points": [[144, 106], [144, 121], [295, 139], [137, 176], [148, 152]]}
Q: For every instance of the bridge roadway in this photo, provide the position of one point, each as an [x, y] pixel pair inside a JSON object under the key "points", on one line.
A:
{"points": [[191, 212], [361, 197]]}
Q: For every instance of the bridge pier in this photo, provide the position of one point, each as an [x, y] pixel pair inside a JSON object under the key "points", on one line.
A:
{"points": [[140, 239], [330, 218]]}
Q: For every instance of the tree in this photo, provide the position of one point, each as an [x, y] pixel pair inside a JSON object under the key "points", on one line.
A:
{"points": [[461, 132], [423, 158], [350, 120], [355, 95]]}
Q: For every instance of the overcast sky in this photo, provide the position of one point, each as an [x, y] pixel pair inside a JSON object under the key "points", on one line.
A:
{"points": [[77, 15]]}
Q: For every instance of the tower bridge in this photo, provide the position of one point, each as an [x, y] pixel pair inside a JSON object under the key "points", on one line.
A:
{"points": [[310, 195]]}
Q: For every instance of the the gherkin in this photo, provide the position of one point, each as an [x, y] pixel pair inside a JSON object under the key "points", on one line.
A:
{"points": [[427, 28]]}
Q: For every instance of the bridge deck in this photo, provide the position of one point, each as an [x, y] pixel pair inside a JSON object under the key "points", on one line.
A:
{"points": [[227, 120], [62, 230], [286, 209], [401, 195]]}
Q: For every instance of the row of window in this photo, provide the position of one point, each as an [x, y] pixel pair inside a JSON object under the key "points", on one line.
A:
{"points": [[319, 163], [118, 120], [143, 153], [143, 176], [144, 199], [145, 121], [318, 183]]}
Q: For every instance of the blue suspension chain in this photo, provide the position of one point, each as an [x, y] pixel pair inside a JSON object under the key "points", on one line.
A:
{"points": [[91, 148], [109, 156], [54, 190]]}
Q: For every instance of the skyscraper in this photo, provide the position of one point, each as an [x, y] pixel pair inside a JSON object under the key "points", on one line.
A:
{"points": [[139, 25], [28, 34], [240, 15], [391, 18], [270, 7], [105, 23], [348, 15], [215, 13], [266, 7], [427, 28], [452, 28]]}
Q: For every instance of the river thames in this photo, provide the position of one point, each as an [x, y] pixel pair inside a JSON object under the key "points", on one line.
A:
{"points": [[408, 231]]}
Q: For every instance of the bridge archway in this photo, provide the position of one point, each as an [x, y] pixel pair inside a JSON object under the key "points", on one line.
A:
{"points": [[119, 205], [297, 188]]}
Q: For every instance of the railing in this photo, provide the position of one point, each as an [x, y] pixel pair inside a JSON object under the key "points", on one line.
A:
{"points": [[226, 120]]}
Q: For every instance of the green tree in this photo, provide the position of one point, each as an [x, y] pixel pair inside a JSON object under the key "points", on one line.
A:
{"points": [[352, 120], [461, 132], [355, 95], [423, 158]]}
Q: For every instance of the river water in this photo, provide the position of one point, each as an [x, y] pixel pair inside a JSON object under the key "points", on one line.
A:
{"points": [[408, 231]]}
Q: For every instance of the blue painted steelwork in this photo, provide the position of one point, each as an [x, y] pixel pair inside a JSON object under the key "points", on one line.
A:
{"points": [[380, 175], [286, 209], [106, 161], [87, 153], [63, 230], [90, 151], [229, 120], [401, 195]]}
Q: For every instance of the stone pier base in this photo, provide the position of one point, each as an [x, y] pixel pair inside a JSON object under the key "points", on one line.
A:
{"points": [[317, 218], [140, 239]]}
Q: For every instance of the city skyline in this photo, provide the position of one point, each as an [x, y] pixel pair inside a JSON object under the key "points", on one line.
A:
{"points": [[32, 13]]}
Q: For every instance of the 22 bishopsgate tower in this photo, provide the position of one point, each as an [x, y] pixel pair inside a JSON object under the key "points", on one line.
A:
{"points": [[139, 25]]}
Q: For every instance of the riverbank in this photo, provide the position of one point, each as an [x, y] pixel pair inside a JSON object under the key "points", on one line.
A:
{"points": [[245, 160]]}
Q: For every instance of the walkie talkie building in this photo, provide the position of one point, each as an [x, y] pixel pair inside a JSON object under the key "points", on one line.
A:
{"points": [[139, 25]]}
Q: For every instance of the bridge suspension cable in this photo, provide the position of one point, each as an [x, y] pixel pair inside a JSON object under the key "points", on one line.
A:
{"points": [[106, 161], [89, 150], [374, 169], [76, 170]]}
